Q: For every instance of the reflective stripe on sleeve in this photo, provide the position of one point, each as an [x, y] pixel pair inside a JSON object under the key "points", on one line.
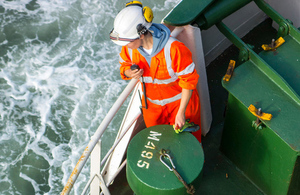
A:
{"points": [[130, 53], [189, 69], [121, 60]]}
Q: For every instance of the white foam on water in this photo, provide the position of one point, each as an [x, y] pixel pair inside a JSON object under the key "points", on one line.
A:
{"points": [[59, 76]]}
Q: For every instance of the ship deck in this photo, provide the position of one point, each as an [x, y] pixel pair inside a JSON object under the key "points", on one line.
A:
{"points": [[220, 175]]}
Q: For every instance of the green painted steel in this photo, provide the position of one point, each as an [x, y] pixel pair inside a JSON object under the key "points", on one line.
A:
{"points": [[178, 16], [285, 27], [251, 86], [285, 60], [204, 13], [266, 158], [220, 10], [269, 72], [146, 174], [269, 156]]}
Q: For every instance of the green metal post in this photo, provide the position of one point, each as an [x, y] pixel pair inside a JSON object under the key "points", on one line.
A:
{"points": [[285, 27]]}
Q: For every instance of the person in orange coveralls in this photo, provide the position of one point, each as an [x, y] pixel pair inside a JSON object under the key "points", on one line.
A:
{"points": [[165, 67]]}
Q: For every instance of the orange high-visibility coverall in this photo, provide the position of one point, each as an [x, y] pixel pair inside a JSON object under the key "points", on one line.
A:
{"points": [[164, 82]]}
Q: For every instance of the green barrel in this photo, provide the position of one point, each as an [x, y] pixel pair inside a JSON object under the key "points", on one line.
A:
{"points": [[146, 174]]}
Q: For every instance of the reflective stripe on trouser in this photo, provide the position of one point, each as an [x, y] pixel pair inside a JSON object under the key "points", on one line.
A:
{"points": [[165, 101]]}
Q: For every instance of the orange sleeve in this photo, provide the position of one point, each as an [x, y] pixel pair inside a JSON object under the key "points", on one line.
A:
{"points": [[184, 66], [125, 61]]}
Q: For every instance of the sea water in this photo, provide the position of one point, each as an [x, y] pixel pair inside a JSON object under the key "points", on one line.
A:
{"points": [[59, 76]]}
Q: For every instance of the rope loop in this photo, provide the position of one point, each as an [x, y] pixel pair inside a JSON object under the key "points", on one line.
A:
{"points": [[189, 188], [169, 157]]}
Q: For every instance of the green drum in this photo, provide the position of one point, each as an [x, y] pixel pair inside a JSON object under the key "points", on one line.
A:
{"points": [[152, 154]]}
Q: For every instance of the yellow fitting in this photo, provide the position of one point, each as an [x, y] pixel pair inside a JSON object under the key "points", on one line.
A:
{"points": [[263, 116], [229, 70], [274, 44]]}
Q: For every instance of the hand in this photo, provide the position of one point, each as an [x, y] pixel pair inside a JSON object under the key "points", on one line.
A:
{"points": [[180, 116], [179, 120], [134, 73]]}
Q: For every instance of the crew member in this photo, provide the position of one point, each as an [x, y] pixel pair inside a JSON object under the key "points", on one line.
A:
{"points": [[165, 66]]}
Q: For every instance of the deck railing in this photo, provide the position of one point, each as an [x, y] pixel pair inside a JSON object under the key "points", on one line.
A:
{"points": [[96, 138]]}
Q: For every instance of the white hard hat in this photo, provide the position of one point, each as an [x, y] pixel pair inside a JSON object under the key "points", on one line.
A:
{"points": [[128, 25]]}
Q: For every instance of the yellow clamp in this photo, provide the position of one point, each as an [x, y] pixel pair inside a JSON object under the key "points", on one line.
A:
{"points": [[263, 116], [229, 70], [274, 44]]}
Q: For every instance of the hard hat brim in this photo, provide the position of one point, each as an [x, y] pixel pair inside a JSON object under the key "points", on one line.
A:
{"points": [[121, 43]]}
